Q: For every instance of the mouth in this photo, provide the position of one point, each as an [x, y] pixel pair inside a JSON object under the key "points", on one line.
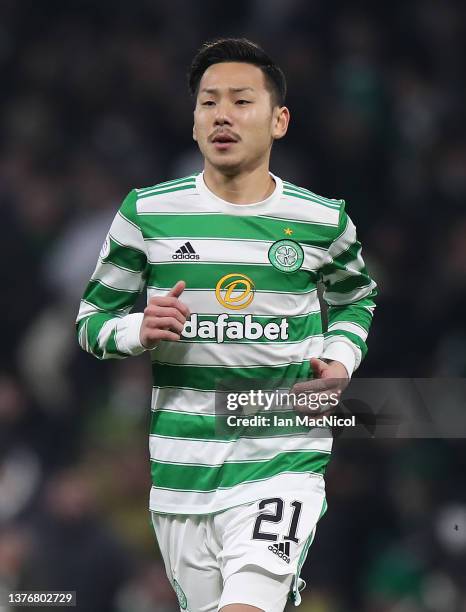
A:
{"points": [[222, 142]]}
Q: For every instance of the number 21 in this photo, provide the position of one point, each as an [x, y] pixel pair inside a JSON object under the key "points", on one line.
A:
{"points": [[275, 517]]}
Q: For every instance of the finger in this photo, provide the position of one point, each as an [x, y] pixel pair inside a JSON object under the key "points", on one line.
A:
{"points": [[167, 301], [154, 335], [166, 323], [317, 401], [164, 311], [177, 289], [166, 334], [318, 366], [183, 308], [317, 385]]}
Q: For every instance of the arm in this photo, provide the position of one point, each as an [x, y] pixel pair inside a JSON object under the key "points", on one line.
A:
{"points": [[105, 327], [349, 293]]}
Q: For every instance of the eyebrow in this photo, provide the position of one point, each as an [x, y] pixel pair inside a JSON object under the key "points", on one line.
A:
{"points": [[214, 90]]}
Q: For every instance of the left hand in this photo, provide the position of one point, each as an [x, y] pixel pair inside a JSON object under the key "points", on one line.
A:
{"points": [[329, 379]]}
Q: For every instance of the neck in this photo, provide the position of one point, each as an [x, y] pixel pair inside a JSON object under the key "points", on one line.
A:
{"points": [[245, 187]]}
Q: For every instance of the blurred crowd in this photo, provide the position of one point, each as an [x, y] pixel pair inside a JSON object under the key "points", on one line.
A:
{"points": [[94, 102]]}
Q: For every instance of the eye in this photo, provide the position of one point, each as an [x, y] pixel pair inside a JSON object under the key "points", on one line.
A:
{"points": [[242, 102], [208, 103]]}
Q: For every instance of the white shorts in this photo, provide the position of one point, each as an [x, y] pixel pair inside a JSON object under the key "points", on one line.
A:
{"points": [[250, 554]]}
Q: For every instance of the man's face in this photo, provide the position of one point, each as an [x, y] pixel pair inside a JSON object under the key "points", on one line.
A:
{"points": [[234, 121]]}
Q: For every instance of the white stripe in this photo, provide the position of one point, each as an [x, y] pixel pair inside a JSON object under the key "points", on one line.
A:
{"points": [[82, 337], [117, 278], [104, 335], [210, 453], [162, 190], [175, 202], [286, 207], [183, 400], [335, 341], [167, 184], [237, 354], [197, 402], [263, 304], [349, 327], [344, 241], [86, 309], [194, 502], [126, 233], [352, 268], [304, 210], [336, 204], [244, 252], [336, 299]]}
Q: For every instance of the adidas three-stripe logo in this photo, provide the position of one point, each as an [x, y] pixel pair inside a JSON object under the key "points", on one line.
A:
{"points": [[185, 252], [282, 550]]}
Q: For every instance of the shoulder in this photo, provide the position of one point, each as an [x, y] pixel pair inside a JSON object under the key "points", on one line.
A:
{"points": [[175, 186], [313, 207], [295, 191], [141, 200]]}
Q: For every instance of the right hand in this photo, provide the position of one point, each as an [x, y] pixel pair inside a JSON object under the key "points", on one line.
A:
{"points": [[164, 317]]}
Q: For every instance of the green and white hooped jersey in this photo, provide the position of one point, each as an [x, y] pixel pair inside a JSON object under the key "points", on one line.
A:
{"points": [[251, 273]]}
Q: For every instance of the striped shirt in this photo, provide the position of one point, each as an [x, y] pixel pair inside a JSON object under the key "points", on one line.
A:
{"points": [[251, 274]]}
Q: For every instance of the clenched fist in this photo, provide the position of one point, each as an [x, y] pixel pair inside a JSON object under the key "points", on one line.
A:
{"points": [[164, 317]]}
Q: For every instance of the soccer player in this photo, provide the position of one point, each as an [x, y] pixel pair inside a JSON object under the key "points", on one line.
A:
{"points": [[230, 258]]}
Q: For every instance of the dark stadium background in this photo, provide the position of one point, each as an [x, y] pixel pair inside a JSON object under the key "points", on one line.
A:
{"points": [[93, 102]]}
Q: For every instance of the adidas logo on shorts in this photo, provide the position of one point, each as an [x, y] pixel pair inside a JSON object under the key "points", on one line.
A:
{"points": [[185, 252], [282, 550]]}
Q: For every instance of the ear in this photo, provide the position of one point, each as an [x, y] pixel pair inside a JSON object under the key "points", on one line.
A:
{"points": [[281, 120], [194, 133]]}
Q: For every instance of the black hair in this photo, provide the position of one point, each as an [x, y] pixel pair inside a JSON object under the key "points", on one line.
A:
{"points": [[237, 50]]}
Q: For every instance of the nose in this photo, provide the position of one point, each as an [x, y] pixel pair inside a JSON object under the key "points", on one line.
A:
{"points": [[222, 116]]}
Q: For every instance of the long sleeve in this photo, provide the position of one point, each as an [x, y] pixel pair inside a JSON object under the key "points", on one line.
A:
{"points": [[349, 293], [104, 326]]}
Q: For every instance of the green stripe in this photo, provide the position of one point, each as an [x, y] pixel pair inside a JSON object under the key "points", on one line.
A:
{"points": [[109, 299], [299, 327], [310, 193], [354, 338], [343, 259], [295, 194], [209, 378], [191, 177], [168, 190], [94, 325], [81, 331], [209, 226], [349, 284], [309, 540], [125, 257], [128, 208], [303, 196], [111, 346], [206, 276], [186, 426], [201, 478], [352, 313]]}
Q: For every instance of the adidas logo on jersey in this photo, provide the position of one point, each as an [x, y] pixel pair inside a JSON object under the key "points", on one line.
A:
{"points": [[185, 252], [282, 550]]}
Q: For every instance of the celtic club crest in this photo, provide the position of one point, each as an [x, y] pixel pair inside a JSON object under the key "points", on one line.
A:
{"points": [[286, 255]]}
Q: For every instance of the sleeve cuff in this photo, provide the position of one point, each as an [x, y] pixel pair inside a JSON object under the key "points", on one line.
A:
{"points": [[339, 350], [127, 334]]}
